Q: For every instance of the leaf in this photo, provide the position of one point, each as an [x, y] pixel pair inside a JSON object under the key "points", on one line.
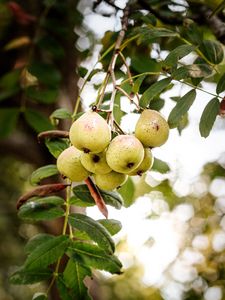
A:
{"points": [[47, 253], [137, 84], [24, 276], [143, 64], [40, 296], [150, 34], [157, 104], [177, 53], [160, 166], [155, 89], [46, 96], [127, 192], [9, 84], [181, 108], [8, 120], [113, 226], [49, 44], [84, 198], [46, 73], [221, 84], [64, 293], [35, 211], [41, 191], [95, 231], [193, 71], [42, 173], [36, 241], [208, 117], [74, 275], [117, 112], [17, 43], [61, 113], [37, 121], [212, 50], [56, 146], [93, 256]]}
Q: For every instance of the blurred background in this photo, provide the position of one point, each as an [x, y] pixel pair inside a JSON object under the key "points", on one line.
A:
{"points": [[172, 244]]}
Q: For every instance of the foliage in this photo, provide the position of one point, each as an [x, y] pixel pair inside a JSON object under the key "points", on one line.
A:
{"points": [[29, 95]]}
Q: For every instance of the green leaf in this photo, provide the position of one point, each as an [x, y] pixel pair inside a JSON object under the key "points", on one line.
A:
{"points": [[208, 117], [40, 296], [36, 241], [150, 34], [193, 71], [157, 104], [47, 253], [46, 74], [117, 112], [84, 198], [9, 84], [52, 46], [155, 89], [137, 84], [64, 292], [95, 231], [74, 275], [37, 121], [212, 50], [160, 166], [177, 53], [44, 208], [46, 96], [24, 276], [93, 256], [8, 120], [181, 108], [61, 113], [56, 146], [221, 84], [43, 172], [127, 192], [113, 226], [143, 64]]}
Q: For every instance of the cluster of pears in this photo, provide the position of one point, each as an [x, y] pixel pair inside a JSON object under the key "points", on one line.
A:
{"points": [[110, 161]]}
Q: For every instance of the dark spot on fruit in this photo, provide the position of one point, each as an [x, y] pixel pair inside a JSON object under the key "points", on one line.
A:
{"points": [[139, 172], [130, 165], [96, 158], [86, 150], [94, 108]]}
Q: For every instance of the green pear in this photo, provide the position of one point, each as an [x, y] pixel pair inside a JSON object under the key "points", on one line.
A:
{"points": [[110, 181], [69, 165], [152, 129], [95, 162], [124, 154], [90, 133], [145, 165]]}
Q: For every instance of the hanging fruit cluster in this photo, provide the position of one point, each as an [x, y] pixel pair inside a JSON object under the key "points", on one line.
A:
{"points": [[111, 160]]}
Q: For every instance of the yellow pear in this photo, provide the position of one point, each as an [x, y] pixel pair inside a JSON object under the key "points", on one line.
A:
{"points": [[95, 162], [125, 153], [152, 129], [69, 165], [90, 133], [110, 181], [145, 165]]}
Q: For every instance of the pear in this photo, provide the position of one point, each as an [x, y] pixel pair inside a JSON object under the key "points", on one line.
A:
{"points": [[145, 165], [90, 133], [95, 162], [69, 165], [110, 181], [125, 153], [152, 129]]}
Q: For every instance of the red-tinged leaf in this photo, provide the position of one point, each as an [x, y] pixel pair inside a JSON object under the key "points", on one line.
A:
{"points": [[20, 15], [97, 197], [53, 134], [43, 190], [222, 108]]}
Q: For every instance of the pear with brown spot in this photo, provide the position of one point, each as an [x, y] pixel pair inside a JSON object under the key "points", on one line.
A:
{"points": [[152, 129], [124, 154], [90, 133], [145, 165], [95, 162]]}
